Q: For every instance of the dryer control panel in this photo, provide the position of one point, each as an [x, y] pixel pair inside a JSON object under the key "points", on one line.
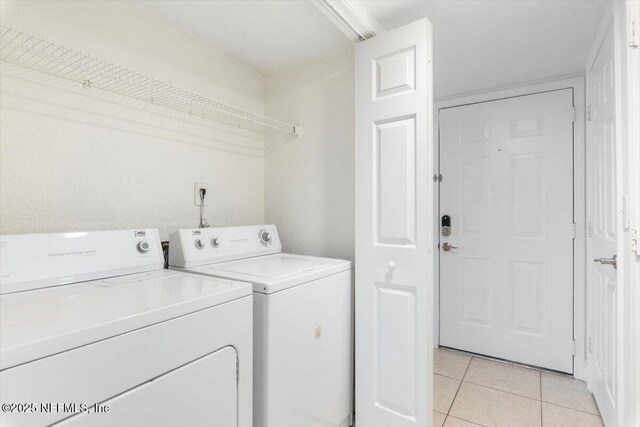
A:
{"points": [[201, 246], [31, 261]]}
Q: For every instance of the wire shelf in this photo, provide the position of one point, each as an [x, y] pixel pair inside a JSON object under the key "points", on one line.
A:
{"points": [[39, 54]]}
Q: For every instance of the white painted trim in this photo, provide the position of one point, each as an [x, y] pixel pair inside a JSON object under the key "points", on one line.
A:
{"points": [[576, 83], [504, 91]]}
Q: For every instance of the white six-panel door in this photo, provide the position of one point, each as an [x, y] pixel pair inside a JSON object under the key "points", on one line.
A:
{"points": [[506, 289], [393, 228], [602, 231]]}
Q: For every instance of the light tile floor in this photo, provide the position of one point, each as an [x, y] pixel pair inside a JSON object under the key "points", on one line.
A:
{"points": [[473, 391]]}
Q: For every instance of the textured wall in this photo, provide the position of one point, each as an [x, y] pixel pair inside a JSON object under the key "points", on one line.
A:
{"points": [[77, 159], [309, 180]]}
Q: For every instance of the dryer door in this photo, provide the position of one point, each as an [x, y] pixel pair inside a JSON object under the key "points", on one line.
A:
{"points": [[200, 393]]}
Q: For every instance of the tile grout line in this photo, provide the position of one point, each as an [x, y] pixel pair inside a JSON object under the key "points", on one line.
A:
{"points": [[463, 419], [540, 399], [459, 386], [514, 394], [525, 397], [573, 409], [508, 392], [541, 415], [442, 375], [498, 389]]}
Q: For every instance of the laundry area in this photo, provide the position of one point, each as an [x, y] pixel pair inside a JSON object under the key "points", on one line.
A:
{"points": [[301, 213]]}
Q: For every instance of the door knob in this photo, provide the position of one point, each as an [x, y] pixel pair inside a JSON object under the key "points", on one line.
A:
{"points": [[608, 261], [391, 265], [446, 246]]}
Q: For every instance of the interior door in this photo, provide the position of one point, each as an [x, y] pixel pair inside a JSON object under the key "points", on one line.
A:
{"points": [[506, 268], [602, 231], [394, 299]]}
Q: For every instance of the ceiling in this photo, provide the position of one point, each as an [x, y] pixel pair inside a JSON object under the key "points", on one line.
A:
{"points": [[478, 45], [269, 35]]}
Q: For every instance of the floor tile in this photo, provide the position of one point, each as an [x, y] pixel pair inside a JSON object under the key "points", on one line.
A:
{"points": [[444, 390], [566, 391], [505, 377], [449, 363], [559, 416], [457, 422], [438, 419], [490, 407]]}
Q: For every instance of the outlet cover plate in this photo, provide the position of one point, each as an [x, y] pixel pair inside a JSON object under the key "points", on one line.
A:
{"points": [[196, 192]]}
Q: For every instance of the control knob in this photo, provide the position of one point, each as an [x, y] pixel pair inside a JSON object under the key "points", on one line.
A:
{"points": [[265, 237], [143, 247], [215, 242], [199, 244]]}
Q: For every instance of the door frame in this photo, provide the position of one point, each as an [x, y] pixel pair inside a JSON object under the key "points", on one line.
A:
{"points": [[577, 84]]}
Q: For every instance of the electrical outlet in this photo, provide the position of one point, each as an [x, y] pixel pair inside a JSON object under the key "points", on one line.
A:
{"points": [[196, 195]]}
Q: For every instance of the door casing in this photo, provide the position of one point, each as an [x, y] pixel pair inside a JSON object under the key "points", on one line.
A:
{"points": [[577, 83]]}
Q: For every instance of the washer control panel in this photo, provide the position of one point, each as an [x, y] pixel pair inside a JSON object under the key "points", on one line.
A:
{"points": [[200, 246]]}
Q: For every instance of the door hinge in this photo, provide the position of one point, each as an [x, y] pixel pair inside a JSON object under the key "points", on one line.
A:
{"points": [[588, 113], [635, 237], [589, 345], [437, 177], [633, 37], [573, 347], [589, 229], [237, 370], [574, 114], [573, 230]]}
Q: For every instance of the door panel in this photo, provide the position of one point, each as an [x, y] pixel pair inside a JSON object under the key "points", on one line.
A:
{"points": [[393, 228], [396, 181], [506, 288], [602, 234]]}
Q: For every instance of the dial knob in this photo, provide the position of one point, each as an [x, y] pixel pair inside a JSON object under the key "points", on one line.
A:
{"points": [[215, 242], [143, 247], [199, 244], [265, 237]]}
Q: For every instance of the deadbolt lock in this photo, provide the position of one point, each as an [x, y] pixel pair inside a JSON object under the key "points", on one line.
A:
{"points": [[445, 225]]}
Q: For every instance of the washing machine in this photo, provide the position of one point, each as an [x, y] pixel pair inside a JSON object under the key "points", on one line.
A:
{"points": [[94, 332], [303, 329]]}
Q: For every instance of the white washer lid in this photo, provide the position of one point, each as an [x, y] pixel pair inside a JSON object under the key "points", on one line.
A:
{"points": [[39, 323], [272, 273]]}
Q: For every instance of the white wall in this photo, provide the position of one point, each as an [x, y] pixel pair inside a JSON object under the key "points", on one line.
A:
{"points": [[72, 158], [309, 180]]}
